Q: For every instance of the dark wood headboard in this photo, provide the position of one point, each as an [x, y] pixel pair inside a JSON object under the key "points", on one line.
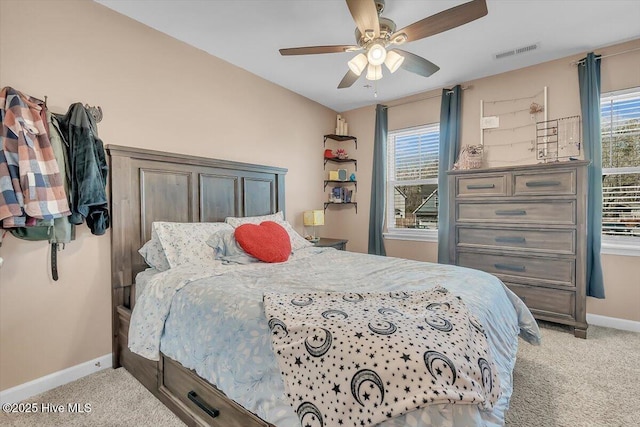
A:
{"points": [[148, 186]]}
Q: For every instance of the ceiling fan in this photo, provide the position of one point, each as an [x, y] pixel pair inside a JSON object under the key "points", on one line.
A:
{"points": [[375, 33]]}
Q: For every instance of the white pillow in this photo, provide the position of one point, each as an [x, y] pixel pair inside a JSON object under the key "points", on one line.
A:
{"points": [[153, 254], [235, 221], [224, 243], [297, 241], [186, 242]]}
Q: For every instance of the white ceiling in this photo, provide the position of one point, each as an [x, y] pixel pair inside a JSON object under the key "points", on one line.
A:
{"points": [[248, 34]]}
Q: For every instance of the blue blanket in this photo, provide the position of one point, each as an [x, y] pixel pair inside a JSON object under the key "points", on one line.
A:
{"points": [[212, 320]]}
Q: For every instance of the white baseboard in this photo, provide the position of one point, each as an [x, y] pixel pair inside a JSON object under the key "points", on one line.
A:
{"points": [[612, 322], [48, 382], [56, 379]]}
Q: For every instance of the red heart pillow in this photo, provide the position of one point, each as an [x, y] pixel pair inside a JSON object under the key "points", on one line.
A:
{"points": [[269, 241]]}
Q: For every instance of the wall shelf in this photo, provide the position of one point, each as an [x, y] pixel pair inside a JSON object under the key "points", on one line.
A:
{"points": [[329, 181], [341, 161], [355, 204], [340, 138], [340, 192]]}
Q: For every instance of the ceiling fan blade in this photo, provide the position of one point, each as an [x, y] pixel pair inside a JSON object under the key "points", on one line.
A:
{"points": [[312, 50], [445, 20], [348, 80], [365, 15], [417, 64]]}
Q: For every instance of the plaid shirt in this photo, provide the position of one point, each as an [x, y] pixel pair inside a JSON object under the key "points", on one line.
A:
{"points": [[30, 183]]}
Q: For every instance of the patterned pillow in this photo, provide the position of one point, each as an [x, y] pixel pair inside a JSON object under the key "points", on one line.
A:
{"points": [[186, 242], [153, 254], [236, 221], [224, 243], [297, 241]]}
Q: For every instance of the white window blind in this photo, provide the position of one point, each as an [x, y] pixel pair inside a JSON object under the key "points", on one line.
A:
{"points": [[412, 178], [620, 123]]}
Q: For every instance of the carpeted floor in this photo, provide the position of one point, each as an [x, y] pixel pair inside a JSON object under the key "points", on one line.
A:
{"points": [[564, 382], [573, 382]]}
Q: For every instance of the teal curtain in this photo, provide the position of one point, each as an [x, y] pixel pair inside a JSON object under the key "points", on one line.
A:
{"points": [[378, 183], [589, 82], [450, 116]]}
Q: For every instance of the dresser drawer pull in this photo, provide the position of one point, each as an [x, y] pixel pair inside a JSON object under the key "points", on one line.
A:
{"points": [[542, 183], [479, 186], [512, 212], [210, 410], [510, 267], [508, 239]]}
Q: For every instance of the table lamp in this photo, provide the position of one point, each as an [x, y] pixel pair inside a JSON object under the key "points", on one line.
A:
{"points": [[313, 219]]}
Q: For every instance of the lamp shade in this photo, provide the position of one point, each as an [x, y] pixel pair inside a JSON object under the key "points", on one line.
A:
{"points": [[358, 63], [374, 72], [376, 54], [313, 218], [393, 61]]}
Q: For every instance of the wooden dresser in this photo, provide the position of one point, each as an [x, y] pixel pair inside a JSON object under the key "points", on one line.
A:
{"points": [[526, 225]]}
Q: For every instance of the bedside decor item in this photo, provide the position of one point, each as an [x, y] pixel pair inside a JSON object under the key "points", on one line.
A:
{"points": [[352, 177], [470, 157], [328, 154], [342, 174], [336, 195], [342, 128], [313, 219], [333, 175], [341, 153]]}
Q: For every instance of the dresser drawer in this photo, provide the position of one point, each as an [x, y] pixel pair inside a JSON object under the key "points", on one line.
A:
{"points": [[485, 185], [547, 184], [201, 399], [557, 241], [561, 212], [545, 301], [555, 271]]}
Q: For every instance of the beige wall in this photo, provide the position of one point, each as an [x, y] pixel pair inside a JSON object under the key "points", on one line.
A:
{"points": [[156, 93], [561, 79]]}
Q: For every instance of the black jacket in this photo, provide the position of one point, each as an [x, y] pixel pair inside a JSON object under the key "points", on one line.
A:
{"points": [[88, 169]]}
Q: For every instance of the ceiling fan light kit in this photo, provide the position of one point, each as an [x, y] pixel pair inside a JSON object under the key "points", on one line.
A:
{"points": [[393, 61], [376, 53], [358, 63], [374, 72], [374, 33]]}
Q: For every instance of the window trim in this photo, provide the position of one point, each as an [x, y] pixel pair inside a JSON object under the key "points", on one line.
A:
{"points": [[411, 234], [619, 245]]}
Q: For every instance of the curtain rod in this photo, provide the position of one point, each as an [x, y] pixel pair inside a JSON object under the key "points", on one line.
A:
{"points": [[581, 61], [425, 98]]}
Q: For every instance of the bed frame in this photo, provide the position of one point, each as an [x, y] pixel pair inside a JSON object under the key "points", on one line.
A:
{"points": [[148, 186]]}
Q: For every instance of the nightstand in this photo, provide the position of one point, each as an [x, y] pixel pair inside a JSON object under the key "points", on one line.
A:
{"points": [[339, 244]]}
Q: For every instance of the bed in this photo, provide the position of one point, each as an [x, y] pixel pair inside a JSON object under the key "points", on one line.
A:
{"points": [[212, 340]]}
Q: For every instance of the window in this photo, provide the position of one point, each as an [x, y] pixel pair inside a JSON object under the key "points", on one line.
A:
{"points": [[620, 122], [412, 179]]}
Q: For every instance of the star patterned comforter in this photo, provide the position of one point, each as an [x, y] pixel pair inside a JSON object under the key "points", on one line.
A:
{"points": [[357, 359], [212, 320]]}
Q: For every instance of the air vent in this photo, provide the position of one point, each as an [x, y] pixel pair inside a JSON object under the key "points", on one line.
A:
{"points": [[517, 51]]}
